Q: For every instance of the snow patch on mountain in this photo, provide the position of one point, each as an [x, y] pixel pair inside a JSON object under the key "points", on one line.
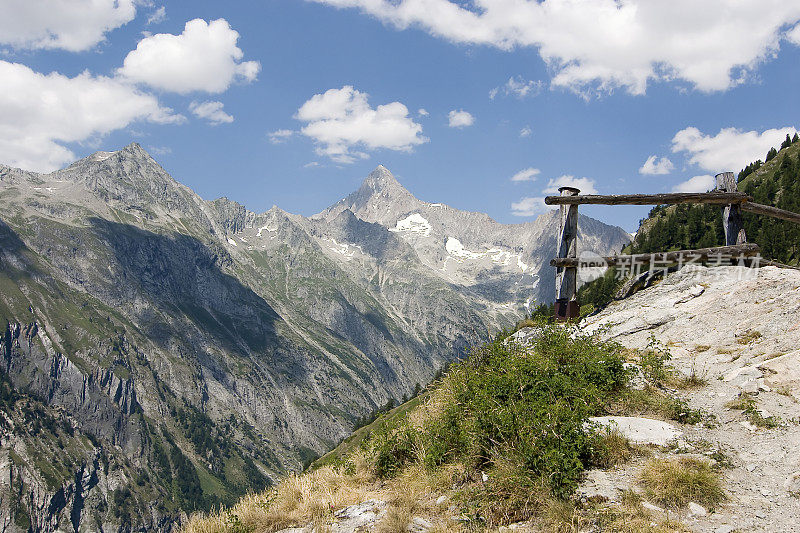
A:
{"points": [[262, 228], [101, 156], [342, 248], [414, 223], [497, 255]]}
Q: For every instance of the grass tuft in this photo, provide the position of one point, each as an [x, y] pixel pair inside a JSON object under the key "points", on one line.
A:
{"points": [[747, 404], [749, 337], [677, 481]]}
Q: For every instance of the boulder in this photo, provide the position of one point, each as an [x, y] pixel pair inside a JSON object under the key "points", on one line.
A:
{"points": [[783, 372], [360, 515], [639, 430], [696, 510]]}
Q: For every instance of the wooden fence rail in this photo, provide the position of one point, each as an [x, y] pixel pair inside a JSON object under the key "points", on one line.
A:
{"points": [[719, 198], [768, 210], [725, 195]]}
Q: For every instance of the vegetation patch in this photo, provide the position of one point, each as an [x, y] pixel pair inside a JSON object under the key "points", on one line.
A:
{"points": [[507, 401], [749, 337], [747, 404], [677, 481]]}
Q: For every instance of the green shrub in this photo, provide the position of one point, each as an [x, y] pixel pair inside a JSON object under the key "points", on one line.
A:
{"points": [[532, 403], [393, 448]]}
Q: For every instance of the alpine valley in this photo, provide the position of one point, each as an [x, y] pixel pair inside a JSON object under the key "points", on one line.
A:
{"points": [[161, 353]]}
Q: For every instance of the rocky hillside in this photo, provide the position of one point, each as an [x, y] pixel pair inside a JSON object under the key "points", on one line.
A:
{"points": [[161, 353], [699, 434], [733, 335]]}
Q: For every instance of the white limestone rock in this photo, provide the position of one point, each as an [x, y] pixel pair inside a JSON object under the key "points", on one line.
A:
{"points": [[639, 430]]}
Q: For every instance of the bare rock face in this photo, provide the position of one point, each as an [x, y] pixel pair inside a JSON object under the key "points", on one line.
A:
{"points": [[178, 353]]}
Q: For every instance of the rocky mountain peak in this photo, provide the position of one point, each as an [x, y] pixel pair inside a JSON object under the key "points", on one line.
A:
{"points": [[379, 194], [382, 180]]}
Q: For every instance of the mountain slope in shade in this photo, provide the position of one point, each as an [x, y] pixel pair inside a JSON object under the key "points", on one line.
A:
{"points": [[177, 352]]}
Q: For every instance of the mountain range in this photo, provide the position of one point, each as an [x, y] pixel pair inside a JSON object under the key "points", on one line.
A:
{"points": [[161, 353]]}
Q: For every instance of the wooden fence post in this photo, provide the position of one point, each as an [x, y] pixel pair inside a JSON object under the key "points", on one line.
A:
{"points": [[566, 305], [731, 215]]}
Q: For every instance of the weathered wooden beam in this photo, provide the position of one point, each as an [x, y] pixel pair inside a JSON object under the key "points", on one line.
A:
{"points": [[768, 210], [685, 256], [731, 217], [566, 305], [767, 262], [719, 198]]}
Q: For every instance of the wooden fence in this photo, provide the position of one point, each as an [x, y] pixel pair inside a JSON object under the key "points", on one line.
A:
{"points": [[726, 195]]}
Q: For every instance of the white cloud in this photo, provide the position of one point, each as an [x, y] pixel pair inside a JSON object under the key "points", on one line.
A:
{"points": [[528, 207], [159, 150], [730, 149], [38, 113], [211, 111], [519, 87], [525, 132], [602, 45], [793, 35], [343, 125], [422, 112], [157, 16], [531, 206], [75, 25], [585, 185], [202, 58], [280, 136], [460, 119], [696, 184], [527, 174], [654, 166]]}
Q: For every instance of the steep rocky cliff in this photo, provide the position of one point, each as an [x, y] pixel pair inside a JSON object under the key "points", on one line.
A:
{"points": [[161, 353]]}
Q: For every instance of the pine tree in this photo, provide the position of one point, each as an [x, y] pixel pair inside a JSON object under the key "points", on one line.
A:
{"points": [[795, 138], [771, 154], [786, 143]]}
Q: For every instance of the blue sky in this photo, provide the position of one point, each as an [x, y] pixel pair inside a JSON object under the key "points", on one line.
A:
{"points": [[597, 89]]}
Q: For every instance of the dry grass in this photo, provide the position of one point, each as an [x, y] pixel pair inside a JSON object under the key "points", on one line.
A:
{"points": [[677, 481], [785, 390], [749, 337], [313, 497], [694, 380], [617, 449], [630, 517], [297, 500], [740, 403]]}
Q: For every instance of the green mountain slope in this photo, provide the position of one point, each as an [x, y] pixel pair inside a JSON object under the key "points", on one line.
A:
{"points": [[775, 183]]}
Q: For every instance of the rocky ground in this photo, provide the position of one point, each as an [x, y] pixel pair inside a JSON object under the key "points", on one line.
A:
{"points": [[736, 331], [739, 330]]}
